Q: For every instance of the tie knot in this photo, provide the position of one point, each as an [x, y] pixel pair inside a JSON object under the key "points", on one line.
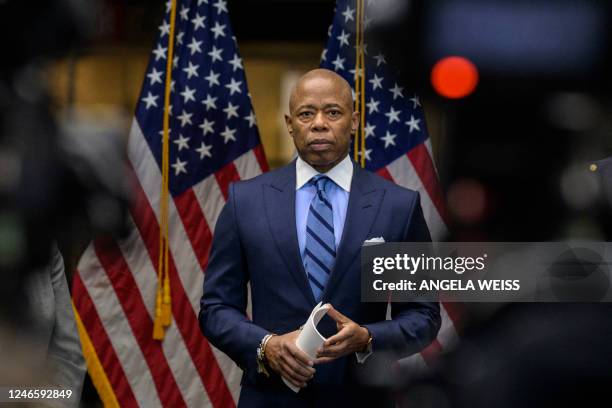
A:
{"points": [[320, 182]]}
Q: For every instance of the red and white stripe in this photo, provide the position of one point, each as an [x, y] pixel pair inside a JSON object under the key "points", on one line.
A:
{"points": [[115, 290]]}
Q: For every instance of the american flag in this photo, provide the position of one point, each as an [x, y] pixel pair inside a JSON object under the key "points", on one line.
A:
{"points": [[213, 141], [397, 147]]}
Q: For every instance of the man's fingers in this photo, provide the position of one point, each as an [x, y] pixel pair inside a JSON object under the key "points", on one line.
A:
{"points": [[324, 360], [288, 371], [336, 350], [304, 372], [338, 337], [337, 316], [299, 355], [291, 376]]}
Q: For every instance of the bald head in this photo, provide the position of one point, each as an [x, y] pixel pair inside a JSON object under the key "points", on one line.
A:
{"points": [[322, 77]]}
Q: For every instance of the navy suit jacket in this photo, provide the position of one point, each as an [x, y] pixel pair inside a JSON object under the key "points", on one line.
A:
{"points": [[255, 242]]}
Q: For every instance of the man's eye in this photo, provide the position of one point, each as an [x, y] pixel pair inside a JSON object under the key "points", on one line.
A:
{"points": [[333, 113], [305, 115]]}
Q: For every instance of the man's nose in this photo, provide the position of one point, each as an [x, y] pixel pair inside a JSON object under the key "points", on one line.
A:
{"points": [[320, 122]]}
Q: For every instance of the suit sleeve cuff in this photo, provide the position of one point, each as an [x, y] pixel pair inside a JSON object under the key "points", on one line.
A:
{"points": [[363, 356], [378, 332]]}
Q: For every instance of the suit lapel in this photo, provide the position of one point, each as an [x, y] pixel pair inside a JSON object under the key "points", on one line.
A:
{"points": [[363, 206], [279, 199]]}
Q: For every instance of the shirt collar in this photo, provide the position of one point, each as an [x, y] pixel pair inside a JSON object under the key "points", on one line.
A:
{"points": [[341, 173]]}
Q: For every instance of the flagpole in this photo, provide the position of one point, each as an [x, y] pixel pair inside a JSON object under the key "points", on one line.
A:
{"points": [[357, 139], [362, 73]]}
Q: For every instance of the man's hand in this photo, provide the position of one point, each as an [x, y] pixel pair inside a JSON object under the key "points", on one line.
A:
{"points": [[350, 338], [284, 357]]}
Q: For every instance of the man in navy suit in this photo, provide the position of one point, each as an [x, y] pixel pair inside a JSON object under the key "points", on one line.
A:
{"points": [[295, 235]]}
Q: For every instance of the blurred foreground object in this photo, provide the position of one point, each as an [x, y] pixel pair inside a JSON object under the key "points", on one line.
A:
{"points": [[52, 329], [56, 183], [523, 355], [519, 143]]}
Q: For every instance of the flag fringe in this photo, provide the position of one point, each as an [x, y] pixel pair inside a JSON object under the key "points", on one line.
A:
{"points": [[163, 312], [94, 366]]}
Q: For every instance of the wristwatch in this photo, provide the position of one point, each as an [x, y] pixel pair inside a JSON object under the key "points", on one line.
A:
{"points": [[261, 355]]}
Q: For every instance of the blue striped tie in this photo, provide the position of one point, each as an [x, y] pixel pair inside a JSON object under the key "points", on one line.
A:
{"points": [[320, 253]]}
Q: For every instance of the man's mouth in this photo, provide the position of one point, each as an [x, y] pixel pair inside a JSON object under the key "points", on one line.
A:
{"points": [[320, 142], [320, 145]]}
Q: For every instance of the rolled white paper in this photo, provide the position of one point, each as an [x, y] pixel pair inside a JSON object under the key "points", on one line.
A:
{"points": [[309, 339]]}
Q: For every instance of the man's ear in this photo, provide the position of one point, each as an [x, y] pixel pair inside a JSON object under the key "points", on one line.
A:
{"points": [[289, 124], [354, 122]]}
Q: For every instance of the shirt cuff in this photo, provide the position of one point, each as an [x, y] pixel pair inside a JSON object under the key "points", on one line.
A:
{"points": [[362, 357]]}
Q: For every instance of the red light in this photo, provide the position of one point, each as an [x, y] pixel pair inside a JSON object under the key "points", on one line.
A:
{"points": [[454, 77]]}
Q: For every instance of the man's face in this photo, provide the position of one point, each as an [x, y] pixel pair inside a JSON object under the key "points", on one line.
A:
{"points": [[322, 120]]}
